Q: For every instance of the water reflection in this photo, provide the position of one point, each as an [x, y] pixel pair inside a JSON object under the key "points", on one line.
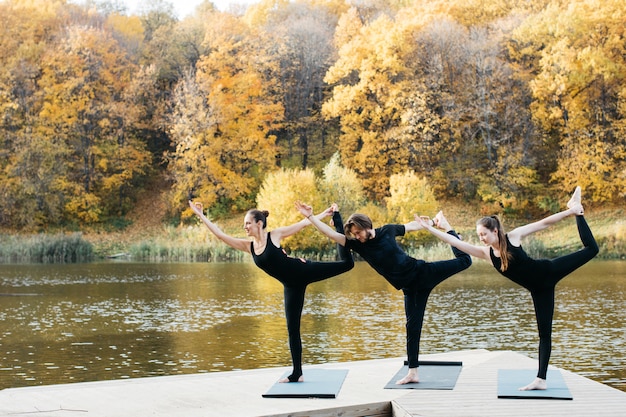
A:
{"points": [[70, 323]]}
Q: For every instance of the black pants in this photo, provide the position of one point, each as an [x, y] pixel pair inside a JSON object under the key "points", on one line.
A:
{"points": [[294, 296], [543, 297], [415, 300]]}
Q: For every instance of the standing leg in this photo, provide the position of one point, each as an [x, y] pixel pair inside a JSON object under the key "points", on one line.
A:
{"points": [[414, 308], [433, 273], [544, 312], [294, 303], [415, 301], [543, 299]]}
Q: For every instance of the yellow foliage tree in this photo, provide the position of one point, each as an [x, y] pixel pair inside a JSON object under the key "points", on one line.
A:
{"points": [[409, 195], [278, 195], [580, 77], [222, 119], [83, 80], [371, 87]]}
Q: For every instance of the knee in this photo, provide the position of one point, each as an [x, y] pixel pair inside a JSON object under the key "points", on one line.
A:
{"points": [[465, 261], [293, 327], [545, 335], [294, 335]]}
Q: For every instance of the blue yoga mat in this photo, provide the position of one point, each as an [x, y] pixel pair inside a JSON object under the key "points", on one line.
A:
{"points": [[318, 383], [510, 380], [432, 374]]}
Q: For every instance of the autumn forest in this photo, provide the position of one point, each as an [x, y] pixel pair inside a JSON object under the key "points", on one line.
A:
{"points": [[508, 102]]}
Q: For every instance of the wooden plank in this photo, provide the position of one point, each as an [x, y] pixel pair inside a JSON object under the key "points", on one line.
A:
{"points": [[476, 395], [239, 394]]}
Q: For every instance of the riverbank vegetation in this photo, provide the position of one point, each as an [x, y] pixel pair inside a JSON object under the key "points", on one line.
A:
{"points": [[149, 239], [45, 248]]}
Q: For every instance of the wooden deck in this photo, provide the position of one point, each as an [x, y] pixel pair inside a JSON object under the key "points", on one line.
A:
{"points": [[239, 393]]}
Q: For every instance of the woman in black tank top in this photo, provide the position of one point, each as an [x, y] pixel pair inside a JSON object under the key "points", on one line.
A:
{"points": [[294, 273], [539, 276]]}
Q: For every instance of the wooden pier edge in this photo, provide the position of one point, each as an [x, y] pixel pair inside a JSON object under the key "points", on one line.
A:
{"points": [[362, 394], [381, 409]]}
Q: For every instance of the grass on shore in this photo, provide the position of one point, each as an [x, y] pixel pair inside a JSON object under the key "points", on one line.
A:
{"points": [[45, 248], [147, 239], [196, 243]]}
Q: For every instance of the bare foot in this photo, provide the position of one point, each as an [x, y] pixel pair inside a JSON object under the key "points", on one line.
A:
{"points": [[411, 377], [537, 384], [577, 209], [441, 222], [301, 379], [576, 199]]}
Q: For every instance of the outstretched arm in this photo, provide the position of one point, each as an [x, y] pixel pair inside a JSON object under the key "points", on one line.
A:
{"points": [[233, 242], [416, 225], [474, 250], [286, 231], [516, 235], [307, 211]]}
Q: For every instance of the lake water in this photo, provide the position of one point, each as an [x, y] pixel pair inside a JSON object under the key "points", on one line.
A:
{"points": [[105, 321]]}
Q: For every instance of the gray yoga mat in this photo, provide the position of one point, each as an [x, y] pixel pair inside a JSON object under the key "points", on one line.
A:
{"points": [[318, 383], [432, 375], [510, 380]]}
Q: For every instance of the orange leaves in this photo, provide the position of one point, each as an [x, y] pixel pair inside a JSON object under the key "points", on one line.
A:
{"points": [[223, 141], [504, 96]]}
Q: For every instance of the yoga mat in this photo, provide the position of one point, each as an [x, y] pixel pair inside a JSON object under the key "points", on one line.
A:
{"points": [[318, 383], [432, 374], [510, 380]]}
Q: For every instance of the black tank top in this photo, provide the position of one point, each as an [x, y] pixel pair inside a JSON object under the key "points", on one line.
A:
{"points": [[276, 263], [523, 269]]}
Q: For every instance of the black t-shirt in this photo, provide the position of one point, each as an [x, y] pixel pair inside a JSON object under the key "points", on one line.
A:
{"points": [[385, 255]]}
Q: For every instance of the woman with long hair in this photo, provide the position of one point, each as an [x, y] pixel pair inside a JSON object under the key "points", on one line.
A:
{"points": [[539, 276], [294, 273]]}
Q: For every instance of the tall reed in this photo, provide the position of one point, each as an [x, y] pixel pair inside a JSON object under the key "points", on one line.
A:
{"points": [[43, 248], [191, 244], [162, 251]]}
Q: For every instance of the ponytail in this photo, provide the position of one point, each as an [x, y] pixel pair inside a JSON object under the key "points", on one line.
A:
{"points": [[492, 223]]}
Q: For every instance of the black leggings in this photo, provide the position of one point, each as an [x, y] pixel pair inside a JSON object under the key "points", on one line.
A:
{"points": [[294, 297], [415, 300], [543, 298]]}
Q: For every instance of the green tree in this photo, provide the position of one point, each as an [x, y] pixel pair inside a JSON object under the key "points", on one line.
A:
{"points": [[341, 185]]}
